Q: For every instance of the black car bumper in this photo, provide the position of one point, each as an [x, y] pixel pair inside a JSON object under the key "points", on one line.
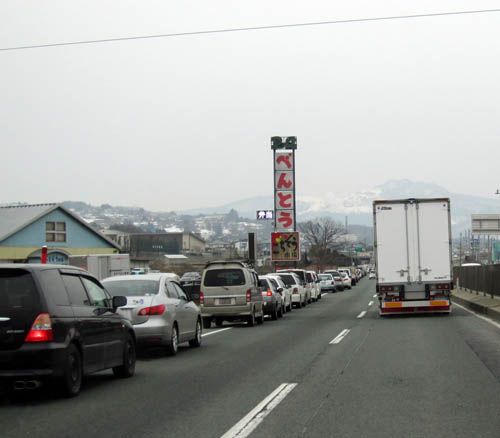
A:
{"points": [[33, 360]]}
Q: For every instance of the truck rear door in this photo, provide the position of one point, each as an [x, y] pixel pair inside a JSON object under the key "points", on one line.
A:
{"points": [[392, 243], [434, 241]]}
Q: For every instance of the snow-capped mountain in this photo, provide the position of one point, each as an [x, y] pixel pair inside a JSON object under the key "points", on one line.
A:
{"points": [[358, 206]]}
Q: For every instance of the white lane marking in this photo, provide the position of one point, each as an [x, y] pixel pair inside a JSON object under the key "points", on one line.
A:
{"points": [[249, 422], [340, 337], [370, 303], [374, 295], [363, 313], [216, 331], [496, 324], [324, 293]]}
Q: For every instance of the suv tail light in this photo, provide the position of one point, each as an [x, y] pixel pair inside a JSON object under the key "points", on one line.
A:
{"points": [[249, 295], [269, 293], [153, 310], [41, 330], [202, 298]]}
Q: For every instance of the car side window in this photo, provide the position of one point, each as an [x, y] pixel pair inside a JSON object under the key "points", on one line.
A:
{"points": [[171, 291], [182, 295], [77, 294], [97, 293]]}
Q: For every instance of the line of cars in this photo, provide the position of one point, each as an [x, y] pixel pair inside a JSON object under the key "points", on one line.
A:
{"points": [[59, 323], [232, 291]]}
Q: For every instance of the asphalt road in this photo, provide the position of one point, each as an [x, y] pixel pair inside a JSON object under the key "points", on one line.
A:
{"points": [[411, 376]]}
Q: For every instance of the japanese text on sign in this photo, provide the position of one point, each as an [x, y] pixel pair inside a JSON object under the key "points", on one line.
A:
{"points": [[265, 214]]}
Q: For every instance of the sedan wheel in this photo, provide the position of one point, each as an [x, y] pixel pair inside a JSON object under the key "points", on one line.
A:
{"points": [[251, 319], [174, 342], [196, 342]]}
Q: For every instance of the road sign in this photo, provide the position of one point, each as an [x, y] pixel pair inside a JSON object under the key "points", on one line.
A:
{"points": [[285, 247], [265, 215]]}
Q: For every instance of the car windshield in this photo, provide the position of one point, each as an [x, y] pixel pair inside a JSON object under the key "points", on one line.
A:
{"points": [[224, 277], [132, 288]]}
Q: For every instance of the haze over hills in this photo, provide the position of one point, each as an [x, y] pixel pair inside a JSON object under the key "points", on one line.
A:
{"points": [[358, 206]]}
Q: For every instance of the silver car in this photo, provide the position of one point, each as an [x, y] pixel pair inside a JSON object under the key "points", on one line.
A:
{"points": [[159, 309]]}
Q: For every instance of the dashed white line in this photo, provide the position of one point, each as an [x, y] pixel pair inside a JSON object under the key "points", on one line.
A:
{"points": [[249, 422], [374, 295], [370, 303], [324, 293], [363, 313], [216, 331], [479, 316], [340, 336]]}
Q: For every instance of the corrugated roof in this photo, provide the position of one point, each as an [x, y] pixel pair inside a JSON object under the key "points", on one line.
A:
{"points": [[15, 217]]}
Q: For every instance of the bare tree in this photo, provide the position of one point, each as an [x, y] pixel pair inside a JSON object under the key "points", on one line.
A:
{"points": [[323, 235]]}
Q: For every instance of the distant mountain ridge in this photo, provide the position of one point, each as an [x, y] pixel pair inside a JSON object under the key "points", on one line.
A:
{"points": [[358, 206]]}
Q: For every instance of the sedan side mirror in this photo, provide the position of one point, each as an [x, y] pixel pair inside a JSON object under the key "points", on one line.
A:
{"points": [[119, 301]]}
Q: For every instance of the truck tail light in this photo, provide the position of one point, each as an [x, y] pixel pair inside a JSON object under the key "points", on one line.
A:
{"points": [[249, 295], [153, 310], [41, 330]]}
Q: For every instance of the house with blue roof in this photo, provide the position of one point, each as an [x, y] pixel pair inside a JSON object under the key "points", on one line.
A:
{"points": [[24, 229]]}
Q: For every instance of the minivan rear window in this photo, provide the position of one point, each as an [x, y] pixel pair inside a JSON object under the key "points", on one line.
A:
{"points": [[224, 277], [288, 279], [132, 288], [17, 290]]}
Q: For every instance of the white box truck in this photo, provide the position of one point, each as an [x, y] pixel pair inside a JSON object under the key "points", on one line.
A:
{"points": [[103, 265], [413, 255]]}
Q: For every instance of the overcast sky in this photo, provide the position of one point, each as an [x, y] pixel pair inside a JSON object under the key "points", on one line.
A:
{"points": [[185, 122]]}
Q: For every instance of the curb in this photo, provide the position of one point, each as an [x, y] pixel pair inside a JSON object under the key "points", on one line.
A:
{"points": [[479, 308]]}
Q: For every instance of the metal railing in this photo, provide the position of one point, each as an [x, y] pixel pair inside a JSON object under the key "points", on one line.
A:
{"points": [[485, 279]]}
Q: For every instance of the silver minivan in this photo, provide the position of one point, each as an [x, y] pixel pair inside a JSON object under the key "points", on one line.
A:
{"points": [[230, 292]]}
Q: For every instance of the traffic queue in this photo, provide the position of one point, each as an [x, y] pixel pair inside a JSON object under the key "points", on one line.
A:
{"points": [[59, 323]]}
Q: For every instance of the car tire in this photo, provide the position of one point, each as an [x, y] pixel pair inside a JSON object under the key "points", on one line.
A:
{"points": [[251, 319], [260, 319], [173, 347], [207, 323], [127, 368], [196, 341], [274, 315], [71, 380], [281, 312]]}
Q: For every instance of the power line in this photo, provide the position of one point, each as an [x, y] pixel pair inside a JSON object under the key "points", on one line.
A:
{"points": [[255, 28]]}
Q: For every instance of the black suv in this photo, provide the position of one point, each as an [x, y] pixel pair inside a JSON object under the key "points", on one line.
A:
{"points": [[59, 323]]}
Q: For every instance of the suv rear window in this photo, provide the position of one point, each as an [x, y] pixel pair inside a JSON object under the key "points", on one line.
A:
{"points": [[17, 290], [224, 277], [288, 279], [132, 288]]}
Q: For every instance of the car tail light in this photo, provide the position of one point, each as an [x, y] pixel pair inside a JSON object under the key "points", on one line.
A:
{"points": [[249, 295], [153, 310], [41, 330], [202, 298], [295, 290], [269, 293]]}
